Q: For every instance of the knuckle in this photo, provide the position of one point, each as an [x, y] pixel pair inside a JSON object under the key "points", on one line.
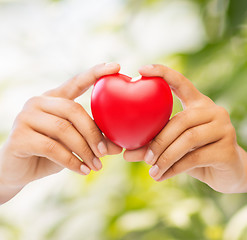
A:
{"points": [[176, 118], [33, 101], [94, 71], [157, 143], [164, 159], [184, 117], [22, 118], [63, 125], [191, 135], [180, 116], [78, 87], [50, 146], [205, 100], [231, 132], [74, 107], [18, 137], [70, 161], [94, 132], [223, 113], [87, 153]]}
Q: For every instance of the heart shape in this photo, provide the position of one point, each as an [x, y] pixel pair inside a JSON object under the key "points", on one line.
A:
{"points": [[131, 113]]}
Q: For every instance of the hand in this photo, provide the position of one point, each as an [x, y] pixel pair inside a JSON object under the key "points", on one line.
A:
{"points": [[52, 127], [200, 140]]}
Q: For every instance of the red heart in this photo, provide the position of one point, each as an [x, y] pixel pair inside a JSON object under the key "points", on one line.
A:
{"points": [[131, 113]]}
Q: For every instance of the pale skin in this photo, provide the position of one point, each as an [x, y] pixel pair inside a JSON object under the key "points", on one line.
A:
{"points": [[200, 140], [48, 130]]}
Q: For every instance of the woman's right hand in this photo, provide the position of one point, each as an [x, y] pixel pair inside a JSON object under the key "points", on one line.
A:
{"points": [[52, 127]]}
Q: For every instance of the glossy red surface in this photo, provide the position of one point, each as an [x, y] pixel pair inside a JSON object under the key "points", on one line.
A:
{"points": [[131, 113]]}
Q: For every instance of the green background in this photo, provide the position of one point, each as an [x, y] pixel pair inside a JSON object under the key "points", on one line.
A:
{"points": [[122, 201]]}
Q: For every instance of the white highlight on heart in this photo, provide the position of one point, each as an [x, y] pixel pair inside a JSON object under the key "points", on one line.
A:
{"points": [[134, 79]]}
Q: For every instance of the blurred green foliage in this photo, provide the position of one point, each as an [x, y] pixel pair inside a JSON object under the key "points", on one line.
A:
{"points": [[219, 70], [181, 208]]}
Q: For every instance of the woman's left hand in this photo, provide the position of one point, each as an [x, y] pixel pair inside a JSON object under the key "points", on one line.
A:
{"points": [[200, 140]]}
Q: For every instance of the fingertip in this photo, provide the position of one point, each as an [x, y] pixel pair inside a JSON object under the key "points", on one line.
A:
{"points": [[112, 65], [160, 180], [143, 70], [136, 155], [97, 164], [149, 157], [180, 85], [113, 149], [152, 70], [111, 68], [153, 171], [127, 157], [103, 69], [84, 169], [102, 148]]}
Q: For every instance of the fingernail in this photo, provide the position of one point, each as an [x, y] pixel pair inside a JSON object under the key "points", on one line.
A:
{"points": [[111, 64], [151, 66], [85, 169], [149, 157], [102, 148], [97, 163], [154, 171]]}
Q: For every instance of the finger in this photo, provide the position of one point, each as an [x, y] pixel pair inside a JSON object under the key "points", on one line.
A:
{"points": [[190, 140], [198, 159], [47, 167], [112, 147], [180, 85], [136, 155], [63, 131], [175, 127], [57, 153], [80, 83], [75, 113]]}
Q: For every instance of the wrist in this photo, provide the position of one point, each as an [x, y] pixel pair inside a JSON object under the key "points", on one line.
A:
{"points": [[7, 192], [242, 187]]}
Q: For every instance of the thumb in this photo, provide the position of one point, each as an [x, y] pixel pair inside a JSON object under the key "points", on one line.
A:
{"points": [[74, 87], [180, 85]]}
